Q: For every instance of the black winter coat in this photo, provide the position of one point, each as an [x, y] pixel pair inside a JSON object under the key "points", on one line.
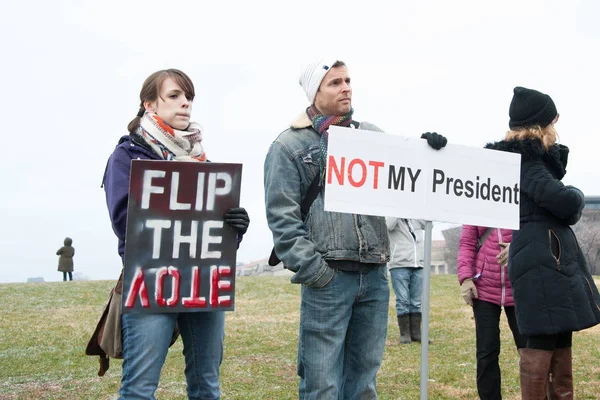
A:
{"points": [[552, 286]]}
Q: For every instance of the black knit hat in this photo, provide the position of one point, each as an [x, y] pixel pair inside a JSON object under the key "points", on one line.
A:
{"points": [[530, 107]]}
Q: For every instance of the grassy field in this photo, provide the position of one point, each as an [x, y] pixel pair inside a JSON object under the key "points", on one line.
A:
{"points": [[44, 328]]}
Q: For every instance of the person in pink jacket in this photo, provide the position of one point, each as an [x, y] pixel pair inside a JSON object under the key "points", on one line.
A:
{"points": [[483, 278]]}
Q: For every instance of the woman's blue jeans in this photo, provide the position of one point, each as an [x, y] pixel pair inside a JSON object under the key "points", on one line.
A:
{"points": [[146, 339]]}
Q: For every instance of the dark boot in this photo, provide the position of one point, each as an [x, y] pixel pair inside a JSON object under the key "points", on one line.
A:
{"points": [[404, 325], [534, 367], [561, 375], [415, 326]]}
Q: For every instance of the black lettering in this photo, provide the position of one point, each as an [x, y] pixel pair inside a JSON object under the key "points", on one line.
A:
{"points": [[496, 193], [486, 187], [458, 185], [436, 180], [413, 179], [448, 182], [469, 189], [516, 193], [396, 179], [507, 189]]}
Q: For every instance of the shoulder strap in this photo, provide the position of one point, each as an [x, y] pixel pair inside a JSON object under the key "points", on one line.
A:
{"points": [[309, 198], [311, 195], [482, 239]]}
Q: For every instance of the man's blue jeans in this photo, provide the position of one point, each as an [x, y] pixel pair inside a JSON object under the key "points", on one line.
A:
{"points": [[342, 336], [408, 287], [146, 339]]}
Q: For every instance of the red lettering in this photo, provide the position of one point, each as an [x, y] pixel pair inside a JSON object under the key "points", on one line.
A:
{"points": [[376, 165], [194, 300], [364, 172], [174, 272], [333, 168], [137, 287], [217, 284], [160, 276]]}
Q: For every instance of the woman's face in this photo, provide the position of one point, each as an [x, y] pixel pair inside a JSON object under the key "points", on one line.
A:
{"points": [[172, 106]]}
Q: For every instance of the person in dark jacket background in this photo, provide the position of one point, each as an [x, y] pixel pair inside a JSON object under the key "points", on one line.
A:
{"points": [[162, 131], [65, 261], [553, 290]]}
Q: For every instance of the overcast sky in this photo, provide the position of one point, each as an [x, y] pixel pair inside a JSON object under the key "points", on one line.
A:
{"points": [[73, 71]]}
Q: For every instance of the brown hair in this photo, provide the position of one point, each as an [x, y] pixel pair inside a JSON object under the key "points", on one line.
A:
{"points": [[547, 135], [151, 91]]}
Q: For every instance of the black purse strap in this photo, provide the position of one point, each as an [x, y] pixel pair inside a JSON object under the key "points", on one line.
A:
{"points": [[482, 239]]}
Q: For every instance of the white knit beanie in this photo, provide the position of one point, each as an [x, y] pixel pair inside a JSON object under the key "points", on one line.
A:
{"points": [[312, 75]]}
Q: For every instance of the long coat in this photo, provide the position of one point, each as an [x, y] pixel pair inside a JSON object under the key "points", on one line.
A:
{"points": [[552, 287], [66, 253]]}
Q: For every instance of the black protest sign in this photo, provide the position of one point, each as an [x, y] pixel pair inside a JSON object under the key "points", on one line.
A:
{"points": [[179, 253]]}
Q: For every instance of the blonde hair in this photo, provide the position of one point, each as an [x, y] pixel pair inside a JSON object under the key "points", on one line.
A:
{"points": [[547, 135]]}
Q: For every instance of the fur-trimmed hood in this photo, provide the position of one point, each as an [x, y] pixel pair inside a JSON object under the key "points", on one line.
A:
{"points": [[533, 149]]}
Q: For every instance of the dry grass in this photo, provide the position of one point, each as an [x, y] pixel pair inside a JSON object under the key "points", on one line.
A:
{"points": [[44, 329]]}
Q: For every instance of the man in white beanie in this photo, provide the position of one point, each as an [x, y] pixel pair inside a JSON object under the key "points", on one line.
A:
{"points": [[340, 259]]}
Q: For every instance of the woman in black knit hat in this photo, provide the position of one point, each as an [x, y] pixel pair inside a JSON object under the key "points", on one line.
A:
{"points": [[553, 289]]}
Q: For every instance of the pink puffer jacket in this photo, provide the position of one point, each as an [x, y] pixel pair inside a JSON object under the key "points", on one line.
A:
{"points": [[493, 285]]}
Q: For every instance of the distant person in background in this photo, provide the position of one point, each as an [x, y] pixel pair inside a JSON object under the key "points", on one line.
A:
{"points": [[65, 261], [406, 271], [484, 283], [553, 289]]}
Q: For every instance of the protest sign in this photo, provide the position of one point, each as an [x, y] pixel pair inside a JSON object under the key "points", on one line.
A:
{"points": [[179, 253], [374, 173]]}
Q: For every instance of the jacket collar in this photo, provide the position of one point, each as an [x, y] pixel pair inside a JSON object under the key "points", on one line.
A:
{"points": [[301, 121], [530, 150]]}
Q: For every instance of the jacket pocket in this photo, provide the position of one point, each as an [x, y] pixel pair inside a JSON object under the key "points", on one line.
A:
{"points": [[310, 159], [555, 247]]}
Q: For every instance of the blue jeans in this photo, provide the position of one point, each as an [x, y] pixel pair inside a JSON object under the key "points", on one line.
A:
{"points": [[408, 287], [342, 335], [146, 339]]}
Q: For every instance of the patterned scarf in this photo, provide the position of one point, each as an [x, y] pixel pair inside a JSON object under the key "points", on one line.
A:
{"points": [[321, 124], [169, 143]]}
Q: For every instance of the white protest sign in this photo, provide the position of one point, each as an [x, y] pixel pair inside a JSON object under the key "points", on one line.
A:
{"points": [[374, 173]]}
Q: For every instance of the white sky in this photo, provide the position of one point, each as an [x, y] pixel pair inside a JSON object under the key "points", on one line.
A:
{"points": [[73, 71]]}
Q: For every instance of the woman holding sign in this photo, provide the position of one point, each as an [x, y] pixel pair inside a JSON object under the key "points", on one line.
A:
{"points": [[553, 290], [162, 131]]}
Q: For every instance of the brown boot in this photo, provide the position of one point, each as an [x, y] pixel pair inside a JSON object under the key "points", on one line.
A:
{"points": [[404, 326], [561, 375], [534, 366]]}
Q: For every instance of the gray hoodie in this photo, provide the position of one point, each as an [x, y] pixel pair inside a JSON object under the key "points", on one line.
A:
{"points": [[406, 242]]}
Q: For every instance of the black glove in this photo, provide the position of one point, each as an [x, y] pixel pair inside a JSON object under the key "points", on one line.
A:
{"points": [[435, 140], [563, 151], [238, 219]]}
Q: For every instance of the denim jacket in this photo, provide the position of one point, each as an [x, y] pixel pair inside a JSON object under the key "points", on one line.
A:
{"points": [[305, 246]]}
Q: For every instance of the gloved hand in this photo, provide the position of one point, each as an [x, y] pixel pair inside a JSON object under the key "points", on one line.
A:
{"points": [[468, 291], [502, 257], [238, 219], [435, 140], [564, 154]]}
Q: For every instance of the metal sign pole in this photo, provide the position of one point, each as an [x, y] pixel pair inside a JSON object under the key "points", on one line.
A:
{"points": [[425, 312]]}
